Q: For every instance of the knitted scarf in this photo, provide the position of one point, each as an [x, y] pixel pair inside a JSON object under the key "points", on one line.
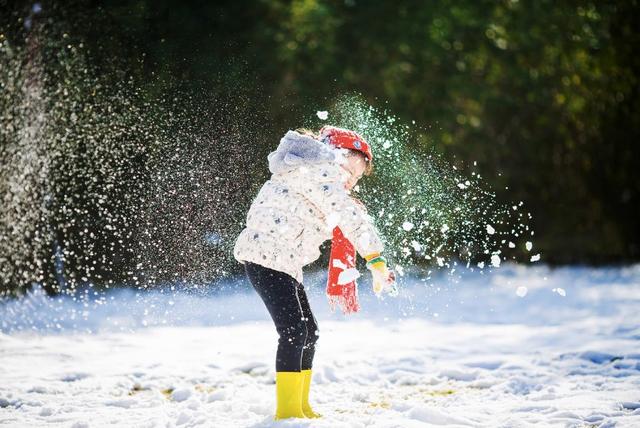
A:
{"points": [[341, 285]]}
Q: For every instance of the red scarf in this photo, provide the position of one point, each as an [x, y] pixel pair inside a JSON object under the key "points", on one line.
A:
{"points": [[342, 258]]}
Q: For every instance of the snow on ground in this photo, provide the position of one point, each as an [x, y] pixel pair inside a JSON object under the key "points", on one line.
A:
{"points": [[516, 347]]}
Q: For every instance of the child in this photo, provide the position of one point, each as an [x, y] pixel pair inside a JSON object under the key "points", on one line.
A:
{"points": [[307, 201]]}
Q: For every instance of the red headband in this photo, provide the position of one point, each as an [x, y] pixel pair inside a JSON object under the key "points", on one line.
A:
{"points": [[345, 139]]}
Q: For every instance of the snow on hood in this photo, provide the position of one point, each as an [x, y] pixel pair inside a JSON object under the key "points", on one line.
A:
{"points": [[296, 150]]}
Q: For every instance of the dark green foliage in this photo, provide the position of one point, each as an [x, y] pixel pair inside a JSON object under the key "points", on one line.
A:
{"points": [[543, 95]]}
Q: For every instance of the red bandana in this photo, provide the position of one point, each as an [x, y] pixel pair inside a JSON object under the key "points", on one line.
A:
{"points": [[342, 261]]}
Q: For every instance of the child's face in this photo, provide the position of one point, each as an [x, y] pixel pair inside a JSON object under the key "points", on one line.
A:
{"points": [[356, 166]]}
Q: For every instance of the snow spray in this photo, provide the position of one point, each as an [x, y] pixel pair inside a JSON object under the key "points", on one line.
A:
{"points": [[108, 181], [432, 215]]}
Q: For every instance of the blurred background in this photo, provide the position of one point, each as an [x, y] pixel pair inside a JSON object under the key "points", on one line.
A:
{"points": [[134, 134]]}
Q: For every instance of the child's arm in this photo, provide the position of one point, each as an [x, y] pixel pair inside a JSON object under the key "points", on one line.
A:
{"points": [[356, 225], [349, 214], [382, 276]]}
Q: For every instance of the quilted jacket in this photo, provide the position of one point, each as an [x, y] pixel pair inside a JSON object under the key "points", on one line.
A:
{"points": [[296, 210]]}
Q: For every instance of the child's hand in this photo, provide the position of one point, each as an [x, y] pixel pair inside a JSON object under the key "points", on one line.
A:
{"points": [[383, 277]]}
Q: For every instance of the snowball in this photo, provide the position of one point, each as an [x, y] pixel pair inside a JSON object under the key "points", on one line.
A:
{"points": [[322, 115], [444, 228], [181, 394], [521, 291], [462, 186], [495, 260], [512, 245], [535, 258], [490, 229], [528, 245], [407, 225], [481, 265]]}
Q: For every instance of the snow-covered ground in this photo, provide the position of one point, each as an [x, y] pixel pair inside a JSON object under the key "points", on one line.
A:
{"points": [[516, 347]]}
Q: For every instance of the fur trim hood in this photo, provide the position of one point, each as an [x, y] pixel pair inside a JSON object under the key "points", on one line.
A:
{"points": [[296, 150]]}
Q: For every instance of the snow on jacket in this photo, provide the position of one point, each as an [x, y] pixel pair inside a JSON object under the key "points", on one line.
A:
{"points": [[296, 210]]}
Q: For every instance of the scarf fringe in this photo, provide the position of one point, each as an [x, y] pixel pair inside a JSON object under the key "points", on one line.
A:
{"points": [[348, 304]]}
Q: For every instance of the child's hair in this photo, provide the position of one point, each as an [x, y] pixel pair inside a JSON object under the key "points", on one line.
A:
{"points": [[350, 152]]}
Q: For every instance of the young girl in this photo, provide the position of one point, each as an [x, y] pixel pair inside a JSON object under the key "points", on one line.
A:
{"points": [[307, 201]]}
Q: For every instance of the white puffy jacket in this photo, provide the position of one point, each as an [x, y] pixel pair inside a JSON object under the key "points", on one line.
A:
{"points": [[296, 210]]}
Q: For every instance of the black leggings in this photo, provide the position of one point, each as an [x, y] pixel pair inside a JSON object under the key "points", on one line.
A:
{"points": [[289, 308]]}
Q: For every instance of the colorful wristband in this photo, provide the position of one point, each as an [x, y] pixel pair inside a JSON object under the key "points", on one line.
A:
{"points": [[371, 256], [376, 260]]}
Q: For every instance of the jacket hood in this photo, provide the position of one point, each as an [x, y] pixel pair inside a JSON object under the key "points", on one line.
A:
{"points": [[296, 150]]}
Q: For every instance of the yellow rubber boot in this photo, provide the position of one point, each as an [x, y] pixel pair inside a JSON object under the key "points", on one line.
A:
{"points": [[306, 408], [289, 395]]}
